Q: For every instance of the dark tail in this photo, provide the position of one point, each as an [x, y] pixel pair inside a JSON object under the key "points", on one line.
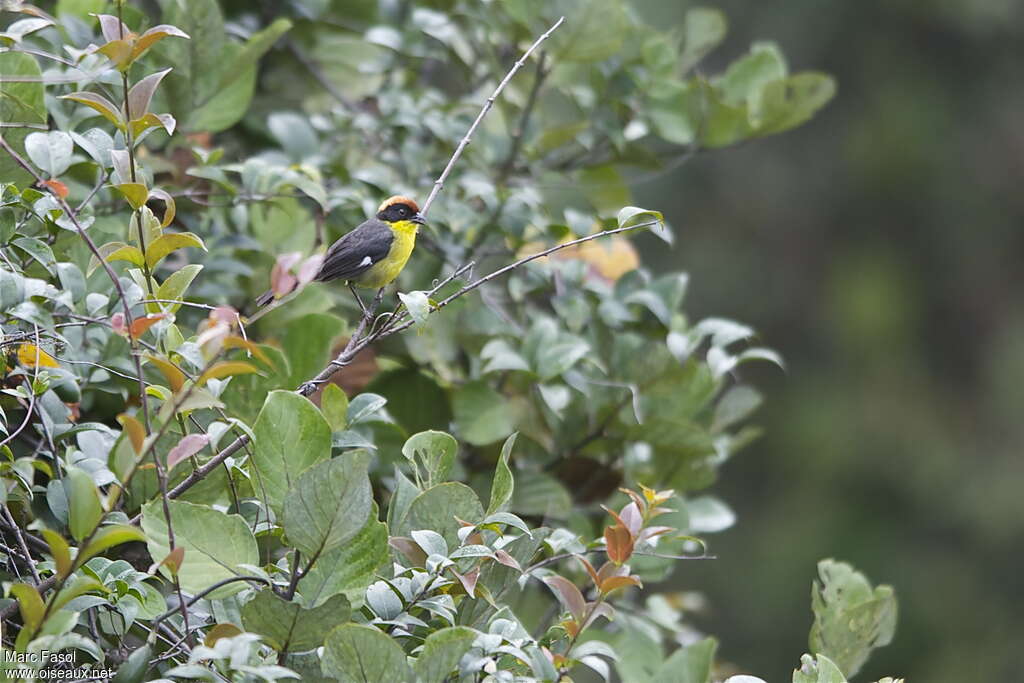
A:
{"points": [[265, 298]]}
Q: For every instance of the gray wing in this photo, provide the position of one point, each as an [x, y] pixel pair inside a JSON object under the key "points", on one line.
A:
{"points": [[357, 251]]}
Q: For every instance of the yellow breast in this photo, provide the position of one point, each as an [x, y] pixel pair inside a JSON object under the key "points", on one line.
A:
{"points": [[388, 268]]}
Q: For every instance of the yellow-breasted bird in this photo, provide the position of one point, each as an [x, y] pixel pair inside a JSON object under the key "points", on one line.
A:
{"points": [[375, 252]]}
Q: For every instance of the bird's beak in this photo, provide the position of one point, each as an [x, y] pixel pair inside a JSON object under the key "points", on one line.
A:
{"points": [[418, 219]]}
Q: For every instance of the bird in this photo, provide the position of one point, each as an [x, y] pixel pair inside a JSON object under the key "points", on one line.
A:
{"points": [[374, 253]]}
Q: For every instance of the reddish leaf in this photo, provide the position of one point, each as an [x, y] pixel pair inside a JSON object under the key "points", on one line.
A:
{"points": [[236, 342], [568, 594], [507, 560], [172, 561], [175, 377], [632, 518], [112, 28], [616, 582], [56, 187], [140, 325], [410, 549], [117, 324], [468, 580], [189, 445], [600, 610], [281, 279], [590, 569], [619, 542], [136, 432], [309, 268], [224, 314]]}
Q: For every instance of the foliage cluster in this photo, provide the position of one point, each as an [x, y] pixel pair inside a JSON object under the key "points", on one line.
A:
{"points": [[481, 497]]}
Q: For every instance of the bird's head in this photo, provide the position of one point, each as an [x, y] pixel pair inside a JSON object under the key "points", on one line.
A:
{"points": [[398, 208]]}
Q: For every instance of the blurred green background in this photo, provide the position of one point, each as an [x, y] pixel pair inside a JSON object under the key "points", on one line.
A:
{"points": [[880, 249]]}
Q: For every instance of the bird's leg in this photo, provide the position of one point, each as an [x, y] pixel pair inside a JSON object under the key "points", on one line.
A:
{"points": [[352, 289]]}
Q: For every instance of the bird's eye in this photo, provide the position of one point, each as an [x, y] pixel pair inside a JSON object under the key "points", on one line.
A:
{"points": [[402, 210]]}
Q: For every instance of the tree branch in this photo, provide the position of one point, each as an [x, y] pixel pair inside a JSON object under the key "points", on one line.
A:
{"points": [[439, 183]]}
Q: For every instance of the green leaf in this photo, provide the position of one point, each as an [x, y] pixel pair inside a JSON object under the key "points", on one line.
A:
{"points": [[74, 587], [20, 102], [254, 48], [217, 545], [334, 406], [174, 288], [363, 654], [703, 29], [440, 508], [676, 111], [329, 504], [850, 617], [482, 415], [135, 193], [820, 670], [503, 483], [38, 250], [349, 568], [30, 605], [307, 344], [169, 243], [790, 102], [744, 79], [84, 508], [441, 653], [291, 436], [108, 537], [631, 215], [723, 123], [402, 495], [224, 106], [436, 450], [135, 667], [60, 551], [417, 304], [691, 664], [127, 253], [287, 626], [141, 94], [101, 104], [605, 188], [50, 151], [594, 30]]}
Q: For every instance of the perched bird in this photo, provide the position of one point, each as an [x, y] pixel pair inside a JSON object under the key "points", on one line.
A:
{"points": [[374, 253]]}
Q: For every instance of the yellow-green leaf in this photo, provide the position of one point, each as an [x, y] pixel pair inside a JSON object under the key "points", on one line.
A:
{"points": [[30, 604], [136, 432], [119, 52], [227, 368], [108, 537], [135, 193], [127, 253], [168, 200], [84, 507], [60, 550], [173, 288], [101, 104], [175, 377], [166, 244]]}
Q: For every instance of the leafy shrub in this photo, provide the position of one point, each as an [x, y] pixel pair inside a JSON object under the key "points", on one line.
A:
{"points": [[503, 462]]}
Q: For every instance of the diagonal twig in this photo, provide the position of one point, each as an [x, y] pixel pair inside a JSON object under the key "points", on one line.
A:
{"points": [[439, 183]]}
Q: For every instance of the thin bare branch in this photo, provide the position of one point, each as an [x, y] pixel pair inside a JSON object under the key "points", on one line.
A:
{"points": [[439, 183]]}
